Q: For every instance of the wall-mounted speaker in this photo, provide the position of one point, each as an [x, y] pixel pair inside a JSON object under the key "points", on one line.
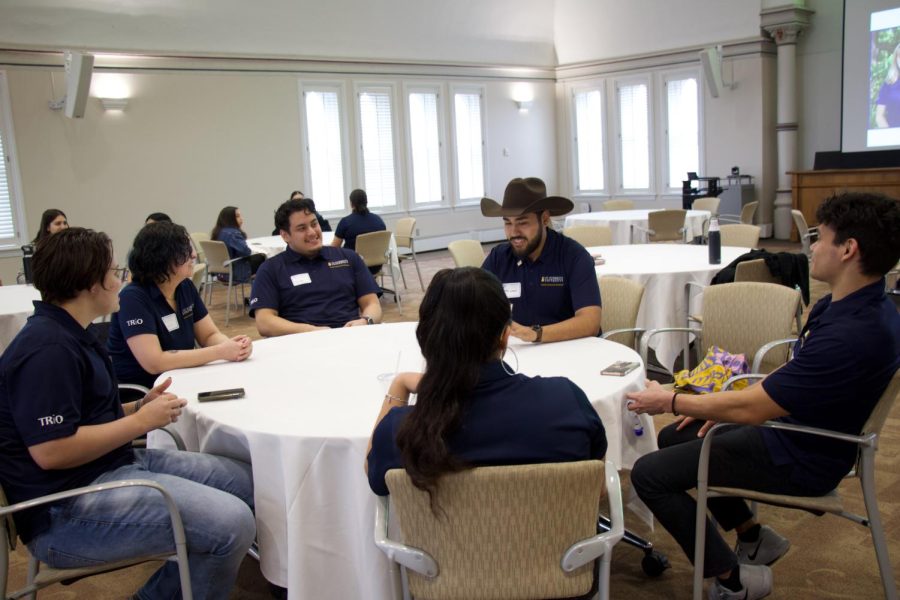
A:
{"points": [[712, 70], [79, 67]]}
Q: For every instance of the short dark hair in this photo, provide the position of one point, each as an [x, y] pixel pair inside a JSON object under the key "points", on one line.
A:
{"points": [[873, 220], [70, 261], [158, 248], [284, 212], [157, 217], [359, 201], [295, 193]]}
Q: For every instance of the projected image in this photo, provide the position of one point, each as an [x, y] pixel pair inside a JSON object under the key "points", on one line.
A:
{"points": [[884, 79]]}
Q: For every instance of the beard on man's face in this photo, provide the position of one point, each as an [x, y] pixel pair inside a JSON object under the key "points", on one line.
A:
{"points": [[530, 245]]}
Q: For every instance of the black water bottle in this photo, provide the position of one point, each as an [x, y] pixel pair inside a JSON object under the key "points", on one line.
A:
{"points": [[715, 242]]}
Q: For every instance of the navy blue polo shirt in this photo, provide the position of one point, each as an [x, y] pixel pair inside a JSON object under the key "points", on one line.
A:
{"points": [[510, 420], [143, 309], [550, 289], [322, 291], [356, 224], [54, 377], [846, 355]]}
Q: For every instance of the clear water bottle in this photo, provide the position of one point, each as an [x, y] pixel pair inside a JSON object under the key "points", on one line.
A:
{"points": [[715, 242]]}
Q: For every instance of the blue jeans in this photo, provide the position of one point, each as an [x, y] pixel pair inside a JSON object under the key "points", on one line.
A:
{"points": [[213, 494]]}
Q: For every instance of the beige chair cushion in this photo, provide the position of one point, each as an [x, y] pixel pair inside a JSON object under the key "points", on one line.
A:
{"points": [[589, 235], [621, 301], [466, 253], [740, 235]]}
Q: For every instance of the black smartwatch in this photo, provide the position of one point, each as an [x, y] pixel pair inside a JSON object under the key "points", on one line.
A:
{"points": [[369, 320], [539, 331]]}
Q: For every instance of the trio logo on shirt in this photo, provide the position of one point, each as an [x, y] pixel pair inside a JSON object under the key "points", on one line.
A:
{"points": [[339, 264], [552, 281], [51, 420], [133, 322], [187, 313]]}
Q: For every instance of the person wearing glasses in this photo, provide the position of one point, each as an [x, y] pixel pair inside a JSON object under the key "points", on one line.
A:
{"points": [[161, 317], [64, 426]]}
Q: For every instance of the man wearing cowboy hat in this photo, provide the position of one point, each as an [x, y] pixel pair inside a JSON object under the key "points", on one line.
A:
{"points": [[548, 278]]}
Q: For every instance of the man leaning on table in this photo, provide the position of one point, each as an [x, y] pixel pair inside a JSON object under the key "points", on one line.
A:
{"points": [[549, 279], [308, 286], [845, 356]]}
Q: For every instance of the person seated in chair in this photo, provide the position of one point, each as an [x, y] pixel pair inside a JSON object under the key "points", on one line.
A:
{"points": [[53, 221], [467, 396], [324, 225], [361, 220], [228, 229], [62, 426], [549, 278], [308, 286], [843, 360], [161, 317]]}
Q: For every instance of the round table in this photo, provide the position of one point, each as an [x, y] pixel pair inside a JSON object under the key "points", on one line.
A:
{"points": [[271, 245], [16, 305], [620, 221], [664, 270], [311, 402]]}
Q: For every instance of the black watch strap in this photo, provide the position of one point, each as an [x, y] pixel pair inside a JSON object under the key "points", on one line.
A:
{"points": [[540, 333], [369, 320]]}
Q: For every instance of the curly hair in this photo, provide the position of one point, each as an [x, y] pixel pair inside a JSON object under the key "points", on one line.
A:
{"points": [[873, 220], [158, 249], [289, 207]]}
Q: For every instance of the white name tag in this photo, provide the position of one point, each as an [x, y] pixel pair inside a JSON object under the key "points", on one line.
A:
{"points": [[171, 322], [513, 290], [300, 279]]}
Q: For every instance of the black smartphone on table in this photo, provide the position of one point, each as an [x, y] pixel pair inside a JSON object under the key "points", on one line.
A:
{"points": [[215, 395]]}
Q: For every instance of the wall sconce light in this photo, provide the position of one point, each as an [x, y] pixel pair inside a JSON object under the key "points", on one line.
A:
{"points": [[523, 96], [114, 103]]}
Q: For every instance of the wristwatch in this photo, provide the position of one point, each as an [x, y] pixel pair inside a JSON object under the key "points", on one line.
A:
{"points": [[539, 331], [369, 320]]}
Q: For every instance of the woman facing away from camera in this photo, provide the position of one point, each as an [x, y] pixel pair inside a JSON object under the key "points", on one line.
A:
{"points": [[161, 317], [472, 408]]}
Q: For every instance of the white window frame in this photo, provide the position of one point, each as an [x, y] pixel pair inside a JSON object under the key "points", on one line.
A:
{"points": [[391, 90], [663, 107], [437, 89], [599, 86], [338, 87], [10, 247], [451, 98], [645, 79]]}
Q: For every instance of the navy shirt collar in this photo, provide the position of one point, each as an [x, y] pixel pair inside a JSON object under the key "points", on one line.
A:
{"points": [[62, 316], [494, 371], [550, 243], [869, 294], [292, 256]]}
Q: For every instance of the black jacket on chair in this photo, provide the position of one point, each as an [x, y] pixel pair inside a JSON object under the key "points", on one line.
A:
{"points": [[792, 269]]}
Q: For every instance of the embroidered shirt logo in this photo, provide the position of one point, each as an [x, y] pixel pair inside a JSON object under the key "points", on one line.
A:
{"points": [[133, 322], [552, 280], [188, 312], [51, 420], [338, 264]]}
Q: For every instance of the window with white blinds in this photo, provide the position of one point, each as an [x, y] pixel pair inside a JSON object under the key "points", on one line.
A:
{"points": [[324, 148], [682, 129], [425, 147], [589, 139], [377, 145], [11, 235], [634, 135], [469, 144]]}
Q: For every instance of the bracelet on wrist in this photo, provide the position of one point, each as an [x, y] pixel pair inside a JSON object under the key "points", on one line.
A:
{"points": [[390, 398], [674, 410]]}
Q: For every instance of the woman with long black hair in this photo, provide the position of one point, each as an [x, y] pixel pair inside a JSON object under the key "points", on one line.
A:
{"points": [[472, 408], [229, 229]]}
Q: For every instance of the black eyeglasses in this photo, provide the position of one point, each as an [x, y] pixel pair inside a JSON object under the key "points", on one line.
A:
{"points": [[120, 272]]}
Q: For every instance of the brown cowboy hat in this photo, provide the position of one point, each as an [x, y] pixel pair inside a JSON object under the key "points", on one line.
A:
{"points": [[523, 196]]}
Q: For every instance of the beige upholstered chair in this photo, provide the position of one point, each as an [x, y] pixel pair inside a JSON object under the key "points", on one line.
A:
{"points": [[618, 205], [740, 235], [589, 235], [741, 318], [504, 533], [867, 444], [621, 302], [748, 211], [40, 577], [218, 262], [754, 270], [196, 238], [663, 226], [405, 229], [466, 253], [709, 203], [374, 249], [807, 234]]}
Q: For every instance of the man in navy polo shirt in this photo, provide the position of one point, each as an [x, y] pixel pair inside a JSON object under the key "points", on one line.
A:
{"points": [[308, 286], [62, 426], [842, 362], [549, 278]]}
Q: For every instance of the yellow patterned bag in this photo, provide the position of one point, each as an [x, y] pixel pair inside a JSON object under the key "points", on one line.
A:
{"points": [[713, 371]]}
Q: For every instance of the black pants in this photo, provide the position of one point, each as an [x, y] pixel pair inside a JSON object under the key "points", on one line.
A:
{"points": [[739, 458], [255, 261]]}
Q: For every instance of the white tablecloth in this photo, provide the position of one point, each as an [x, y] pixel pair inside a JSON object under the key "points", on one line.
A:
{"points": [[620, 221], [663, 270], [15, 308], [311, 401]]}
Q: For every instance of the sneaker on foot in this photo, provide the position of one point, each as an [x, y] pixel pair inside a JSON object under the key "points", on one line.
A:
{"points": [[756, 582], [768, 547]]}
